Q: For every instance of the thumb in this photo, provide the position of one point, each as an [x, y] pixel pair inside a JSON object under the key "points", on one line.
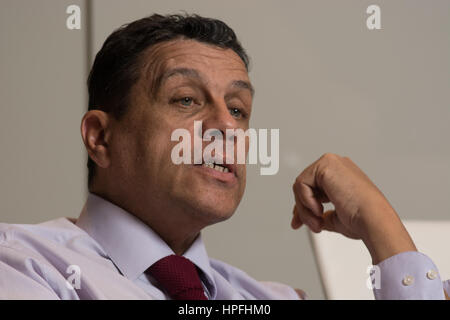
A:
{"points": [[333, 224]]}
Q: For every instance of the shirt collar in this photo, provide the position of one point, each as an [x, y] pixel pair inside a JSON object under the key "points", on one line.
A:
{"points": [[131, 244]]}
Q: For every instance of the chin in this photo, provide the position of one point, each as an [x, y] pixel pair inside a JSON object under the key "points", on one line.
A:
{"points": [[214, 211], [208, 203]]}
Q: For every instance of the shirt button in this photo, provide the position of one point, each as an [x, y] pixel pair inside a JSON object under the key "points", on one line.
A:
{"points": [[432, 274], [408, 280]]}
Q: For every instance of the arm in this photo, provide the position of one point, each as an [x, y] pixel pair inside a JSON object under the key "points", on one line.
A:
{"points": [[361, 212]]}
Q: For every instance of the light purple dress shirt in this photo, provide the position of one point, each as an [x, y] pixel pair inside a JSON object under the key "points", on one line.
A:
{"points": [[105, 256], [106, 253]]}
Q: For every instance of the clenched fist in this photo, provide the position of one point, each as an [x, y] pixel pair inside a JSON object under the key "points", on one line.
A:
{"points": [[360, 209]]}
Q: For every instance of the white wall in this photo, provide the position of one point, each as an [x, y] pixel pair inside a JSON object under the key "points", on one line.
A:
{"points": [[42, 88]]}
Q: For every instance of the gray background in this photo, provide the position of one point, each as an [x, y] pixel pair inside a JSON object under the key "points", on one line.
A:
{"points": [[328, 83]]}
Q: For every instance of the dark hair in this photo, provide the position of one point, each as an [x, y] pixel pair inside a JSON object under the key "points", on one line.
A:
{"points": [[116, 65]]}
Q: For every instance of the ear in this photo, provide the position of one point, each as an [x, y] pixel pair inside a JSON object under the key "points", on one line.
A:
{"points": [[95, 134]]}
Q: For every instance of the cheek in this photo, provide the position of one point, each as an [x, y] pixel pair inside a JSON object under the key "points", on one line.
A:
{"points": [[244, 177], [123, 152], [156, 150], [152, 150]]}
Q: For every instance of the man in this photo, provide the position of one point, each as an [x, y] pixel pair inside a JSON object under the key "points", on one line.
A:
{"points": [[139, 234]]}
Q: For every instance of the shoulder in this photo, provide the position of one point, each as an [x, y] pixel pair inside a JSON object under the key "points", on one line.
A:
{"points": [[49, 240], [45, 243], [56, 232], [44, 228], [251, 288], [27, 258]]}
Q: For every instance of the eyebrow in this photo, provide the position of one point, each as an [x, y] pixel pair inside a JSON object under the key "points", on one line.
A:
{"points": [[185, 72], [192, 73], [244, 85]]}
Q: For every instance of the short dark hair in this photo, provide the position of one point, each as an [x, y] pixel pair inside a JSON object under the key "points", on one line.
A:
{"points": [[116, 65]]}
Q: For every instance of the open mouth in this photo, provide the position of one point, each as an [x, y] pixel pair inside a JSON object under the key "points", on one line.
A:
{"points": [[217, 167], [224, 172]]}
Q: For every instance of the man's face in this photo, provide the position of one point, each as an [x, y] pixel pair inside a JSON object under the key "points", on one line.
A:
{"points": [[181, 82]]}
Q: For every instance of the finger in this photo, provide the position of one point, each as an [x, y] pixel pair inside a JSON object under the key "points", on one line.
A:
{"points": [[306, 215], [321, 196], [308, 175], [309, 199], [296, 222], [310, 219]]}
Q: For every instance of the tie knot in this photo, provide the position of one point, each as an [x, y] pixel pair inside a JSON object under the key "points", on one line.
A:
{"points": [[179, 277]]}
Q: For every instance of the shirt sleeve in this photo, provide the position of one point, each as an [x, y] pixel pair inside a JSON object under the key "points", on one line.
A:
{"points": [[407, 275]]}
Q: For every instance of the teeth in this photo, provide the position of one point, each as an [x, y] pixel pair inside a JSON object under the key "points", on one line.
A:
{"points": [[216, 167]]}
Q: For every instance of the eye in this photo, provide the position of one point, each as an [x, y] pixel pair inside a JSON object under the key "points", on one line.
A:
{"points": [[235, 112], [186, 101]]}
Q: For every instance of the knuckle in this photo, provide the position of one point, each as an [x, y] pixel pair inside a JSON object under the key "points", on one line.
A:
{"points": [[330, 163], [325, 156], [330, 156], [323, 174]]}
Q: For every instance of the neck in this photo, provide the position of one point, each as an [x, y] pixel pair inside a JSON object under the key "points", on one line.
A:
{"points": [[179, 247], [175, 227]]}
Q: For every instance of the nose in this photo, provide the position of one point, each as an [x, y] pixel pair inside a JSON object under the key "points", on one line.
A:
{"points": [[219, 118], [216, 123]]}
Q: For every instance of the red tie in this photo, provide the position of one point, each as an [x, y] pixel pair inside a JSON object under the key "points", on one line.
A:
{"points": [[179, 277]]}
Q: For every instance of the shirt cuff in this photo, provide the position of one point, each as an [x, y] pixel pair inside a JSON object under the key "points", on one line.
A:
{"points": [[407, 275]]}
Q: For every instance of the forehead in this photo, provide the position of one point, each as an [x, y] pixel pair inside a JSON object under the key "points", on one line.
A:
{"points": [[206, 58]]}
